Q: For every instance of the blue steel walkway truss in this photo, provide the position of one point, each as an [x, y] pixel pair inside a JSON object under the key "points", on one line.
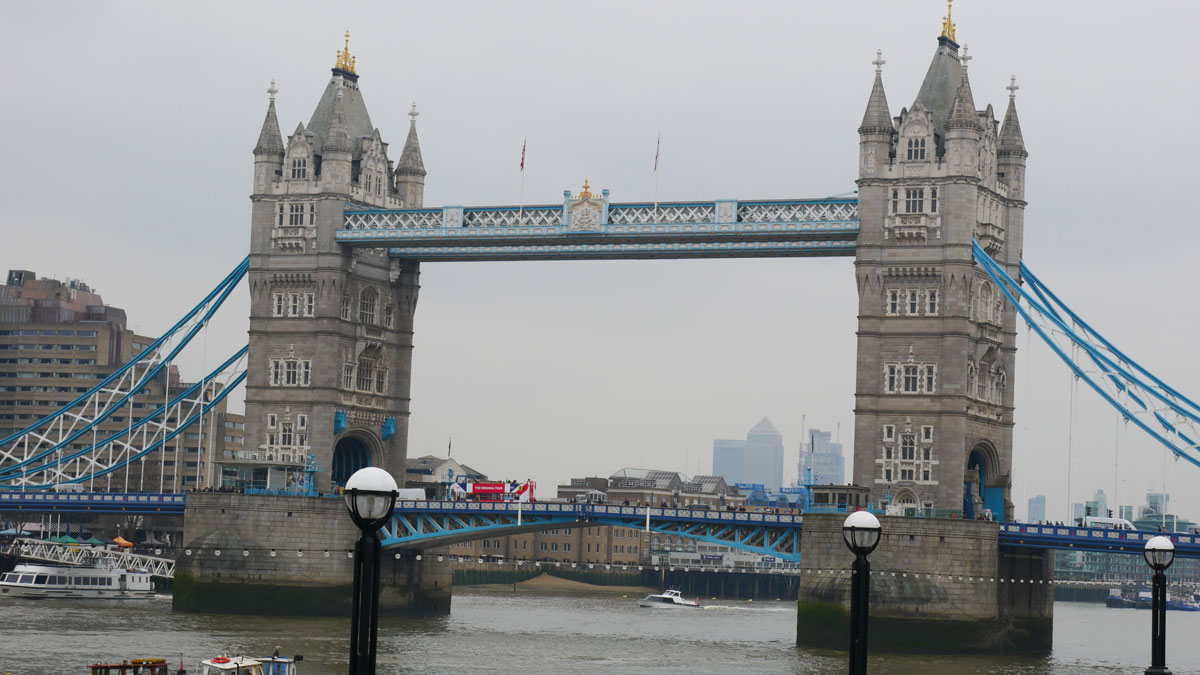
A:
{"points": [[422, 525], [588, 227]]}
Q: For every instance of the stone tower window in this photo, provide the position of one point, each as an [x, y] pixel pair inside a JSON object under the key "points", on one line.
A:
{"points": [[916, 148], [346, 307], [893, 301], [295, 214], [914, 200], [388, 315], [933, 197], [914, 303], [930, 378], [348, 376], [366, 374], [895, 201], [300, 168], [931, 302], [366, 307], [910, 379]]}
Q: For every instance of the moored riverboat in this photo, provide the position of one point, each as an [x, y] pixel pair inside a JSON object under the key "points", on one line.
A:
{"points": [[46, 581]]}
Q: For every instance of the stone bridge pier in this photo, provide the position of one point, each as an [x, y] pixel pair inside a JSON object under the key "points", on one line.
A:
{"points": [[937, 585], [289, 556]]}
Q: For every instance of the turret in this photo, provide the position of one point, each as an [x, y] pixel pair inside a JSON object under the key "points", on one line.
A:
{"points": [[876, 133], [336, 158], [268, 153], [410, 169], [1011, 155], [963, 131]]}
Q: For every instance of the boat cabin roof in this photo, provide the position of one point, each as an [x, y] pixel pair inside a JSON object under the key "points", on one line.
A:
{"points": [[243, 665]]}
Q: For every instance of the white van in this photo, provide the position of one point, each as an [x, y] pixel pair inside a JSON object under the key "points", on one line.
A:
{"points": [[68, 487], [1105, 523]]}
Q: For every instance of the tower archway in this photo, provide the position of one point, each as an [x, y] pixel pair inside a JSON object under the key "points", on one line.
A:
{"points": [[980, 493], [349, 455]]}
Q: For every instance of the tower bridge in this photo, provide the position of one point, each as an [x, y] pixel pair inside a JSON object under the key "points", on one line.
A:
{"points": [[338, 234]]}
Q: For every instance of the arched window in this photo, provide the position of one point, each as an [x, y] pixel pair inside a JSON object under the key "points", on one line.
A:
{"points": [[389, 314], [366, 306], [366, 374], [346, 307]]}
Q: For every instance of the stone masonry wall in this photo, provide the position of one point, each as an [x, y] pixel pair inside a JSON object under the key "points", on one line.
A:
{"points": [[311, 571], [962, 607]]}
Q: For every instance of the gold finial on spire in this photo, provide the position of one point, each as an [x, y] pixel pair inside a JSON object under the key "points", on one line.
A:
{"points": [[947, 23], [586, 194], [344, 60]]}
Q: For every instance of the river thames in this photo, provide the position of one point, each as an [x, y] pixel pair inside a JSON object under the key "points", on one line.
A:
{"points": [[496, 631]]}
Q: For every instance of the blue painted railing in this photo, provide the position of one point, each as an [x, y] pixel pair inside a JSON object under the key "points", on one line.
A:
{"points": [[155, 502], [1093, 539]]}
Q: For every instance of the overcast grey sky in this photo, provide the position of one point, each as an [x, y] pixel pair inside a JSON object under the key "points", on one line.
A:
{"points": [[128, 136]]}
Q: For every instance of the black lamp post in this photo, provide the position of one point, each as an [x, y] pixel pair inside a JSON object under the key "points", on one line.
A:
{"points": [[1160, 553], [370, 496], [861, 532]]}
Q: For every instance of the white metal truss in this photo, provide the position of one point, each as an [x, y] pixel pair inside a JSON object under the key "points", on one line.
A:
{"points": [[533, 216], [114, 450], [639, 214], [798, 211], [56, 438], [64, 554]]}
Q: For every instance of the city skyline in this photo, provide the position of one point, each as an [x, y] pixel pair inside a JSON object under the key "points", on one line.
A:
{"points": [[482, 328]]}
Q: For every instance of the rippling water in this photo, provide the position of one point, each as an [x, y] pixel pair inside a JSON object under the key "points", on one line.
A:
{"points": [[499, 632]]}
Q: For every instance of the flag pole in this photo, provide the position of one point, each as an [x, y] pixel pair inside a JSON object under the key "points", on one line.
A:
{"points": [[657, 147], [521, 208]]}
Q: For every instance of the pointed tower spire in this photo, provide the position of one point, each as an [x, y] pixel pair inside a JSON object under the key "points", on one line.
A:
{"points": [[410, 162], [338, 139], [270, 141], [1011, 141], [410, 168], [877, 118], [962, 114]]}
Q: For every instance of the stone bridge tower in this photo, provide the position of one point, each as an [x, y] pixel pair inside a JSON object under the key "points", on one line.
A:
{"points": [[936, 340], [330, 328]]}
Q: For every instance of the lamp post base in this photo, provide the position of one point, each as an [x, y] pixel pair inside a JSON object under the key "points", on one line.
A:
{"points": [[1155, 670]]}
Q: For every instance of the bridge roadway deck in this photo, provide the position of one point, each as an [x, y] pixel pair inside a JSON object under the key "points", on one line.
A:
{"points": [[422, 524]]}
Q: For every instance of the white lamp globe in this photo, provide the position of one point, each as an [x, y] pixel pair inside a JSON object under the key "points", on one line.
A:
{"points": [[1160, 552], [370, 493], [861, 531]]}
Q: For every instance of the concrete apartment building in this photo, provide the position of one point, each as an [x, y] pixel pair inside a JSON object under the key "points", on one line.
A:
{"points": [[58, 340]]}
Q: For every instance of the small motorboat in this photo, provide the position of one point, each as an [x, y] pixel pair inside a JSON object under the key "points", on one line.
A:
{"points": [[241, 665], [667, 599]]}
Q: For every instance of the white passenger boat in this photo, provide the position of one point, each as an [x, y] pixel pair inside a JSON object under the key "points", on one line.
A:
{"points": [[44, 581], [667, 599]]}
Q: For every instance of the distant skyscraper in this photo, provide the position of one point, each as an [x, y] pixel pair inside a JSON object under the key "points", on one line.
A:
{"points": [[1101, 500], [728, 460], [1037, 509], [826, 459], [764, 456]]}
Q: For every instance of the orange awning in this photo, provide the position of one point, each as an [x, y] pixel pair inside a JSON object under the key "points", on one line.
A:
{"points": [[122, 543]]}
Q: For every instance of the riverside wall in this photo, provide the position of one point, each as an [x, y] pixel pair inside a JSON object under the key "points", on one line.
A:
{"points": [[937, 585], [291, 556]]}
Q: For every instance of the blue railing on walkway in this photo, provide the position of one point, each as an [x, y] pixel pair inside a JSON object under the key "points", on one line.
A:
{"points": [[1093, 539], [153, 502]]}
